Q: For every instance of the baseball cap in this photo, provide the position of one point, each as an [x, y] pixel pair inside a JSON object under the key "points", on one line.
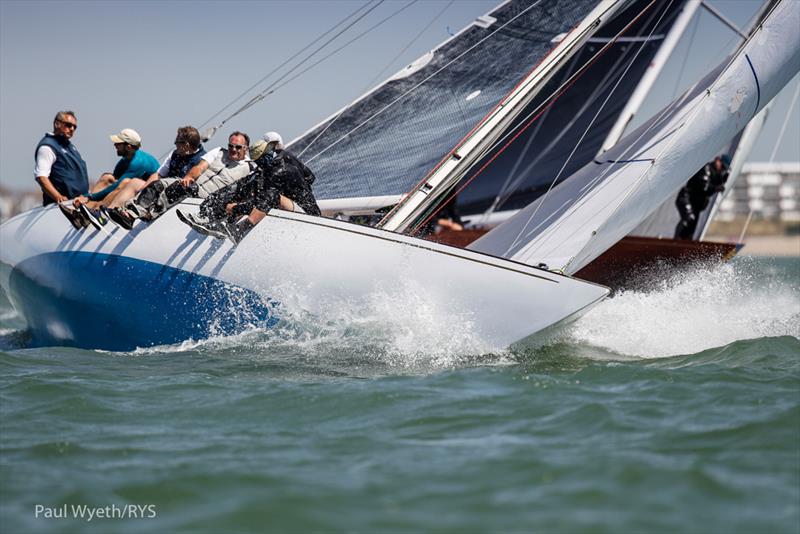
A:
{"points": [[270, 137], [257, 149], [127, 135]]}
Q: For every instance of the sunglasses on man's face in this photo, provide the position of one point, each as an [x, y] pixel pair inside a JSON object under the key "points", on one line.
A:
{"points": [[66, 124], [231, 146]]}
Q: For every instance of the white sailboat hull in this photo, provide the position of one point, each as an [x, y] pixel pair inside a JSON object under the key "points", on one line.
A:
{"points": [[162, 282]]}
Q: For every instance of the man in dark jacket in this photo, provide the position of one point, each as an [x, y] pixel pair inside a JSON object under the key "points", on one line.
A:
{"points": [[60, 170], [693, 197], [281, 180]]}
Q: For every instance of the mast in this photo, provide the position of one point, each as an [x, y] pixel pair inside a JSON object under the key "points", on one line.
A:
{"points": [[470, 150], [649, 78], [590, 211]]}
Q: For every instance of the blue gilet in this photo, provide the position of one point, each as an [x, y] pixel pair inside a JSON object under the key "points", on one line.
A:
{"points": [[179, 166], [68, 174]]}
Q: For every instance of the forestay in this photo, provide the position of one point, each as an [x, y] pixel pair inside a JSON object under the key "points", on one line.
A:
{"points": [[604, 201]]}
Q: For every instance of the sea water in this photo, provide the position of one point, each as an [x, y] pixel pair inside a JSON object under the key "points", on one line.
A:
{"points": [[671, 409]]}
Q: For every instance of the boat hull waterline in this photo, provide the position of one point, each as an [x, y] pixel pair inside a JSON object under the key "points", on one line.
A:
{"points": [[163, 282]]}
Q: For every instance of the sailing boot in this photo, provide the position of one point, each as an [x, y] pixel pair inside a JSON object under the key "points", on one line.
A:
{"points": [[121, 217], [236, 231]]}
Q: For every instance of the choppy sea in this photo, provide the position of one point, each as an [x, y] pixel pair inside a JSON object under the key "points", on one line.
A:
{"points": [[675, 409]]}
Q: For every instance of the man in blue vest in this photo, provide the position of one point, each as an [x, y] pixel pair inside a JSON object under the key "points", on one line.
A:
{"points": [[60, 170]]}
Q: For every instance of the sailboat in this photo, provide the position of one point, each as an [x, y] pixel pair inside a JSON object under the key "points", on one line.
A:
{"points": [[162, 282]]}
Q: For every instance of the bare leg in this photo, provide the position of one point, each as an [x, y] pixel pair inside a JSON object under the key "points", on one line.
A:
{"points": [[104, 181], [256, 216], [125, 192]]}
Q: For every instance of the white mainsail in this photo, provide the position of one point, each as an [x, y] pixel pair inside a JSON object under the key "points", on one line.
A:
{"points": [[589, 212]]}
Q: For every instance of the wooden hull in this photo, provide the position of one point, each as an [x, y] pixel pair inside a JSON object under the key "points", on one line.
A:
{"points": [[631, 262], [634, 261]]}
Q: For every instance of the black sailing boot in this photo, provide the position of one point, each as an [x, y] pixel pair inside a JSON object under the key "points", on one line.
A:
{"points": [[237, 231]]}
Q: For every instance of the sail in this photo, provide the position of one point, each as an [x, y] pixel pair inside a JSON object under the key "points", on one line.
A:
{"points": [[387, 140], [606, 199], [569, 133], [662, 222]]}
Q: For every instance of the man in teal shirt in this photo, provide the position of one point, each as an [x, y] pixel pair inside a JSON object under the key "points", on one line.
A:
{"points": [[134, 163]]}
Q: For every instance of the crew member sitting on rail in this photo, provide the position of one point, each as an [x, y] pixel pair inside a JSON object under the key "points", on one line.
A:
{"points": [[60, 169], [217, 168], [280, 181], [133, 163], [187, 153]]}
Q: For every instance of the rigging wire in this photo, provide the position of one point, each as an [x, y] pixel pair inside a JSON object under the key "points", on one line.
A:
{"points": [[411, 43], [785, 124], [270, 90], [536, 113], [513, 183], [424, 81], [348, 43], [686, 55], [586, 131], [378, 76], [276, 69], [774, 152], [691, 114]]}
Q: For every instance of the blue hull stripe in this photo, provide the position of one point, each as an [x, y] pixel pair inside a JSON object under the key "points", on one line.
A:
{"points": [[110, 302]]}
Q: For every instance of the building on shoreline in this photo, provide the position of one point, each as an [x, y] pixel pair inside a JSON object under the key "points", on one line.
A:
{"points": [[764, 191]]}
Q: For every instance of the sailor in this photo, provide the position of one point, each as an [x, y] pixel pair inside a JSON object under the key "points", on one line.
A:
{"points": [[187, 153], [133, 163], [60, 170], [280, 181], [216, 169], [693, 198]]}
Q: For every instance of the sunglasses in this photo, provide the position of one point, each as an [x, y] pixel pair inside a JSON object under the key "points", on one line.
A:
{"points": [[66, 124], [236, 147]]}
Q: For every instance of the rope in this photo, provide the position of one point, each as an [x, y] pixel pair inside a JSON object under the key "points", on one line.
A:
{"points": [[586, 131], [691, 115], [513, 182], [269, 90], [414, 88], [276, 69], [785, 123], [772, 155], [536, 113], [378, 76]]}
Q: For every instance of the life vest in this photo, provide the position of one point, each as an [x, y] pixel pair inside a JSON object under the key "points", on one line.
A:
{"points": [[180, 165], [220, 173], [68, 173]]}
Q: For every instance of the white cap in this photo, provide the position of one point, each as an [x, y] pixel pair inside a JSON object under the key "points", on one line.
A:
{"points": [[127, 135], [271, 137]]}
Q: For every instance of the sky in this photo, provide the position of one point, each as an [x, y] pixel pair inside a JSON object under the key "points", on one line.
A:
{"points": [[156, 65]]}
